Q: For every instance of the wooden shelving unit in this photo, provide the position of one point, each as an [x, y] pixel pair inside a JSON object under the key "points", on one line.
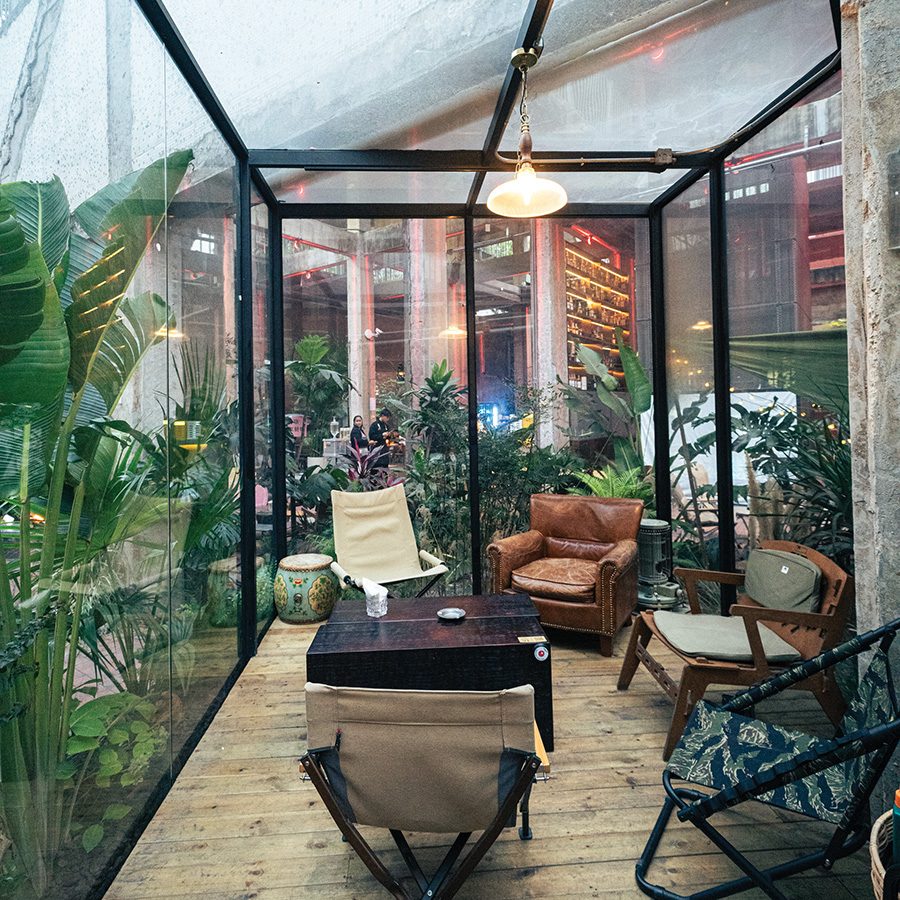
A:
{"points": [[598, 300]]}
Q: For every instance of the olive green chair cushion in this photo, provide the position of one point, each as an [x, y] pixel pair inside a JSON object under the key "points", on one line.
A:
{"points": [[720, 637], [781, 580]]}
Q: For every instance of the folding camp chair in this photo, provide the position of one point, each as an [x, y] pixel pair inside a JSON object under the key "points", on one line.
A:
{"points": [[374, 539], [434, 761], [742, 758]]}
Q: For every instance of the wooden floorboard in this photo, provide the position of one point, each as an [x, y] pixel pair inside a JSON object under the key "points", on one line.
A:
{"points": [[239, 823]]}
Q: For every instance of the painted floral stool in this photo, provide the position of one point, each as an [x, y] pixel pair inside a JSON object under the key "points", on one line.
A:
{"points": [[305, 588]]}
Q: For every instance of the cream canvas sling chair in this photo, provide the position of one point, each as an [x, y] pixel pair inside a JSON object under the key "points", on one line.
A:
{"points": [[426, 761], [374, 539]]}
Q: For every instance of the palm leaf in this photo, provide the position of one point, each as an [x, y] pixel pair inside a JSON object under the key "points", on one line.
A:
{"points": [[43, 211], [128, 227]]}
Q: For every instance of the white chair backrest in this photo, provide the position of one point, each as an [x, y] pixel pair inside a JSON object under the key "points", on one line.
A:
{"points": [[373, 534], [421, 760]]}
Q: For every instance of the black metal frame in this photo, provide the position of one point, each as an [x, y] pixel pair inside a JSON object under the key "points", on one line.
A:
{"points": [[250, 168], [252, 164]]}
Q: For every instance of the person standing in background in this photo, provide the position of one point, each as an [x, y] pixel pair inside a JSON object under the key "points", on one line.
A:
{"points": [[358, 439], [378, 435]]}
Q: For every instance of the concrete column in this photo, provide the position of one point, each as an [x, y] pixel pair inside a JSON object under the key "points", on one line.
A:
{"points": [[871, 98], [361, 318], [429, 311], [548, 307]]}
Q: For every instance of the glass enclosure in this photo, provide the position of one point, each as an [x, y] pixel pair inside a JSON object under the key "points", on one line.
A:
{"points": [[122, 270], [118, 485]]}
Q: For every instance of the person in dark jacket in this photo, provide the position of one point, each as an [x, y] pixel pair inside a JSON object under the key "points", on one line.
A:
{"points": [[378, 435], [358, 439]]}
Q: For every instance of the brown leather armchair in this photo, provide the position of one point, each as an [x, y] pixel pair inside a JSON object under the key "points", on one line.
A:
{"points": [[578, 563]]}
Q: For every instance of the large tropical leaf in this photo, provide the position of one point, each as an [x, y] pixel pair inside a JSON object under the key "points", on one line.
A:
{"points": [[128, 227], [140, 324], [23, 284], [636, 379], [593, 362], [33, 368], [43, 211]]}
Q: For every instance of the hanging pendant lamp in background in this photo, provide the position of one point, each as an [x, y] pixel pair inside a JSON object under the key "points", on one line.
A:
{"points": [[526, 195]]}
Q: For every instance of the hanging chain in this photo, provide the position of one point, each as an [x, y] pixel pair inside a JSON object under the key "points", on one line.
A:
{"points": [[525, 124]]}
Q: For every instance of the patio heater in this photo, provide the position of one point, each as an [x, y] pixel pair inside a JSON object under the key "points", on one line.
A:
{"points": [[656, 590]]}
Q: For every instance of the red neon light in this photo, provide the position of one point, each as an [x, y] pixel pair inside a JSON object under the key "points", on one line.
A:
{"points": [[592, 238]]}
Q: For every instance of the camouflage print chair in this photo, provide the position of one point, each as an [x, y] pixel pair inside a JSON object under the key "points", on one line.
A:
{"points": [[742, 758]]}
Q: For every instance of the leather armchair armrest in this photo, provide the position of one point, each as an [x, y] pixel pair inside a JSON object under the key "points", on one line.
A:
{"points": [[621, 558], [690, 577], [616, 589], [509, 554]]}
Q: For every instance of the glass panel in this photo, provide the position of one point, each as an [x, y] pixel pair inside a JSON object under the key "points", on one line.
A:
{"points": [[599, 187], [94, 441], [203, 410], [384, 301], [303, 76], [121, 407], [789, 332], [262, 413], [687, 81], [298, 186], [550, 295], [691, 404]]}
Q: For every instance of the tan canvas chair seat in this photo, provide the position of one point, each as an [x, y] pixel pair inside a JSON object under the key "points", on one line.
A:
{"points": [[720, 637], [374, 539], [426, 761]]}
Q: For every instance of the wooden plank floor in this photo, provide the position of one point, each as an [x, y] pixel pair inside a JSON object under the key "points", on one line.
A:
{"points": [[239, 822]]}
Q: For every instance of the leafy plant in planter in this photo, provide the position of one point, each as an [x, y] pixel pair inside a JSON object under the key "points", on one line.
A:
{"points": [[321, 386], [72, 339]]}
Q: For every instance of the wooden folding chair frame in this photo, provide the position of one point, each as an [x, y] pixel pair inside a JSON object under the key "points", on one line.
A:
{"points": [[446, 880], [820, 631]]}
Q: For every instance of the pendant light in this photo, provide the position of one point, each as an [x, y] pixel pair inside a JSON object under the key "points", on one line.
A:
{"points": [[526, 195]]}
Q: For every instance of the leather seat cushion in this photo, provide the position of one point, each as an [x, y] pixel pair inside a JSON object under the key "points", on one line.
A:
{"points": [[558, 578]]}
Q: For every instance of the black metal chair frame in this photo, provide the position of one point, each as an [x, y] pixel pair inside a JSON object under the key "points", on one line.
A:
{"points": [[446, 880], [850, 834], [348, 580]]}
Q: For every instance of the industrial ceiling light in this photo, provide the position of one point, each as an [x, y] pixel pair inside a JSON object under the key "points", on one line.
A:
{"points": [[526, 196]]}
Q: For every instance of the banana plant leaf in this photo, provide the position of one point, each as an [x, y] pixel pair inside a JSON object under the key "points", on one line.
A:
{"points": [[43, 212], [32, 384], [636, 379], [139, 326], [128, 226], [23, 285]]}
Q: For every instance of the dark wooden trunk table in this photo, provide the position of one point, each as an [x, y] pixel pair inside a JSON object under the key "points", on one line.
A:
{"points": [[500, 644]]}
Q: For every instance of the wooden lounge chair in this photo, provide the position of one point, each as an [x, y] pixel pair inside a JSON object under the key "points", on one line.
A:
{"points": [[741, 758], [432, 761], [747, 647], [374, 539]]}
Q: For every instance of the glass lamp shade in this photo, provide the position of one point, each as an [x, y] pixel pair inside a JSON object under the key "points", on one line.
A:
{"points": [[526, 196]]}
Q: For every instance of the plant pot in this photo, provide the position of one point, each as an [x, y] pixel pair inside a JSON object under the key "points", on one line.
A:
{"points": [[880, 851]]}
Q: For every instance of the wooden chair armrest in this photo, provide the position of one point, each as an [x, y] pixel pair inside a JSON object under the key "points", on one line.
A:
{"points": [[781, 616], [690, 577]]}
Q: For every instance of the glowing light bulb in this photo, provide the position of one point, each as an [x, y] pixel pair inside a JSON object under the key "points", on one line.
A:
{"points": [[526, 196]]}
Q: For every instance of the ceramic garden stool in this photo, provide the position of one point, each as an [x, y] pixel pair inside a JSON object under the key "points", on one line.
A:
{"points": [[305, 588]]}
